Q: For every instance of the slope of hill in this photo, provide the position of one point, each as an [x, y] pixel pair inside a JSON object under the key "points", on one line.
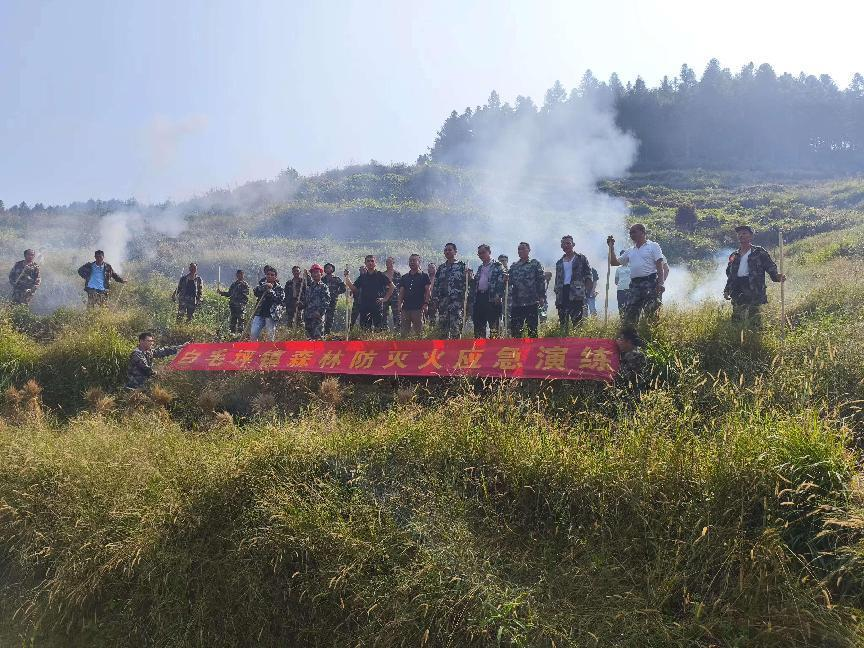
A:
{"points": [[722, 505]]}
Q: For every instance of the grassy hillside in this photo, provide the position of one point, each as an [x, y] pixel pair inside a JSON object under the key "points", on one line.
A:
{"points": [[719, 505]]}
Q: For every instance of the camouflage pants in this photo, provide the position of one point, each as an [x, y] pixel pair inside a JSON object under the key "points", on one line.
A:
{"points": [[187, 310], [746, 305], [450, 320], [747, 313], [237, 324], [392, 307], [432, 313], [644, 300], [22, 295], [314, 327], [329, 317], [97, 298]]}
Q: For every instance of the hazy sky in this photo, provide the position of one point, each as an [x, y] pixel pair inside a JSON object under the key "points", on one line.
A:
{"points": [[158, 99]]}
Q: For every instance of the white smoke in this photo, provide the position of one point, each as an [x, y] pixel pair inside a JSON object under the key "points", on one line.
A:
{"points": [[686, 288], [118, 229], [539, 190]]}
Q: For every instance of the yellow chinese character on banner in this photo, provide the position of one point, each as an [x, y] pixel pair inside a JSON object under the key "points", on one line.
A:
{"points": [[189, 358], [363, 359], [217, 358], [243, 357], [469, 358], [508, 358], [270, 359], [300, 359], [432, 358], [551, 358], [595, 359], [330, 360], [396, 359]]}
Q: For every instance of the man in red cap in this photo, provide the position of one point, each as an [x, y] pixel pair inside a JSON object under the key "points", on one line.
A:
{"points": [[317, 301]]}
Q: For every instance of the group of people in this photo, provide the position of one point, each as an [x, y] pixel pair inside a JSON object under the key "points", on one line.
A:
{"points": [[441, 296]]}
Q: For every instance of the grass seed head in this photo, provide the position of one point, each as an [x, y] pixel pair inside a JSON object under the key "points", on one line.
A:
{"points": [[263, 403], [330, 391], [405, 395], [161, 396], [208, 400]]}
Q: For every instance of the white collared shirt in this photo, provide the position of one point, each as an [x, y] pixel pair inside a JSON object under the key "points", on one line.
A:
{"points": [[568, 270], [744, 264], [642, 260]]}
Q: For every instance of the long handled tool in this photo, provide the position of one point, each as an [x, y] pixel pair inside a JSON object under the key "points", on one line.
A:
{"points": [[248, 328], [606, 301], [465, 303], [347, 310], [506, 305], [782, 289]]}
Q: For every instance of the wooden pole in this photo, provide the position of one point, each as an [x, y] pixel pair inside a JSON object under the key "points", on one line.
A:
{"points": [[782, 289], [347, 309], [606, 301], [465, 302], [506, 305]]}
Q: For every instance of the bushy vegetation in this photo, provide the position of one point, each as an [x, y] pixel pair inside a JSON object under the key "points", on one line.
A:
{"points": [[720, 504]]}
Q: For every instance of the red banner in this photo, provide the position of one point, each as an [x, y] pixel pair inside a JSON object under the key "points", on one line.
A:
{"points": [[561, 358]]}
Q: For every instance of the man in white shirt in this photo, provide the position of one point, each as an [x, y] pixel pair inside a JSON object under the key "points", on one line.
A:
{"points": [[647, 274], [622, 283]]}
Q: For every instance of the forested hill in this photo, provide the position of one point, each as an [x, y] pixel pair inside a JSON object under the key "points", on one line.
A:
{"points": [[752, 119]]}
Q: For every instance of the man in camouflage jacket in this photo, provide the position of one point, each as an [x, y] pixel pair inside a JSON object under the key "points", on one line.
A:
{"points": [[632, 363], [570, 298], [141, 361], [527, 292], [25, 278], [745, 278], [238, 298], [316, 305], [336, 287], [188, 294], [295, 291], [449, 289]]}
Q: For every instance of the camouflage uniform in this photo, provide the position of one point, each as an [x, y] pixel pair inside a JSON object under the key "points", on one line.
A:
{"points": [[748, 293], [188, 299], [570, 303], [238, 297], [632, 366], [295, 292], [25, 279], [336, 287], [393, 304], [141, 365], [316, 305], [527, 292], [450, 291]]}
